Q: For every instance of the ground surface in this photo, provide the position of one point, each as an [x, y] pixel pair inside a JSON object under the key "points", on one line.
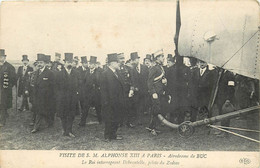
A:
{"points": [[16, 135]]}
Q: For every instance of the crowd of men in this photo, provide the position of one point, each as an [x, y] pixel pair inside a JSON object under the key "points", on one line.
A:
{"points": [[121, 92]]}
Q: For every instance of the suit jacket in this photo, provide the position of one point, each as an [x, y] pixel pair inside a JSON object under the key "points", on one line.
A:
{"points": [[44, 86], [155, 84], [139, 80], [204, 85], [7, 81], [23, 79], [83, 75], [67, 93], [112, 94]]}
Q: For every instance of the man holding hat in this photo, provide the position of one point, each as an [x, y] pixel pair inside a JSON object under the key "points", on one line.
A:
{"points": [[67, 92], [113, 104], [23, 77], [7, 81], [44, 86], [157, 90], [139, 82]]}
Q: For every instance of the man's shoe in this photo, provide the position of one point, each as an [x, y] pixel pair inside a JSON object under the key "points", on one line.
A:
{"points": [[34, 131], [130, 125], [20, 109], [153, 132], [71, 135], [31, 124]]}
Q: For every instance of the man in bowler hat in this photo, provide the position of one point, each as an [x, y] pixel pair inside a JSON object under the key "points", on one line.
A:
{"points": [[67, 95], [23, 77], [44, 85], [113, 104], [7, 81]]}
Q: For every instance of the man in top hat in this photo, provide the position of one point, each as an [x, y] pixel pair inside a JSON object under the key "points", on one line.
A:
{"points": [[93, 89], [23, 77], [57, 65], [44, 86], [139, 82], [113, 104], [83, 71], [67, 91], [7, 81], [157, 89]]}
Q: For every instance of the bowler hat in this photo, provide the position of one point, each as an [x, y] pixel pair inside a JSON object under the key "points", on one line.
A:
{"points": [[84, 59], [112, 57], [68, 57], [25, 58], [41, 57], [134, 55], [2, 53], [93, 60]]}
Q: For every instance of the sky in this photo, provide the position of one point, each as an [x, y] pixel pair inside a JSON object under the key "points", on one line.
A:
{"points": [[86, 29]]}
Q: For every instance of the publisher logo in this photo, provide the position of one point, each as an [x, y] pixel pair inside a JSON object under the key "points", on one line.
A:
{"points": [[245, 161]]}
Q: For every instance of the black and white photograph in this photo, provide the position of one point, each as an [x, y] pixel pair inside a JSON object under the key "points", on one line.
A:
{"points": [[143, 76]]}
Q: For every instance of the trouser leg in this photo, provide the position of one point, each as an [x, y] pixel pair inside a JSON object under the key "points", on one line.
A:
{"points": [[98, 111], [155, 111], [3, 115], [38, 121], [108, 130], [70, 120], [114, 127], [64, 125]]}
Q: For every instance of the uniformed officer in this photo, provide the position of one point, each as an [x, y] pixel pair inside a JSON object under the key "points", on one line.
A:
{"points": [[7, 81], [157, 90], [23, 77]]}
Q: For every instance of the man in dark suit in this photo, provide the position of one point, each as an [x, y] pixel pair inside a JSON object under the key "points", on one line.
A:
{"points": [[203, 80], [83, 98], [157, 90], [23, 77], [44, 85], [139, 82], [93, 87], [125, 75], [67, 91], [7, 81], [113, 104]]}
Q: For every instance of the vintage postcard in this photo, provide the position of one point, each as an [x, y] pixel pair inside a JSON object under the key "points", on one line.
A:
{"points": [[171, 83]]}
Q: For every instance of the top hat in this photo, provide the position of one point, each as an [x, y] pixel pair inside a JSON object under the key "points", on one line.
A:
{"points": [[121, 55], [57, 55], [25, 58], [112, 57], [93, 60], [68, 57], [41, 57], [134, 55], [84, 59], [148, 56], [48, 58], [2, 53]]}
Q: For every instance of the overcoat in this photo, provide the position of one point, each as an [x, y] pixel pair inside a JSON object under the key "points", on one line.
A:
{"points": [[67, 93], [112, 94], [23, 79], [43, 91]]}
